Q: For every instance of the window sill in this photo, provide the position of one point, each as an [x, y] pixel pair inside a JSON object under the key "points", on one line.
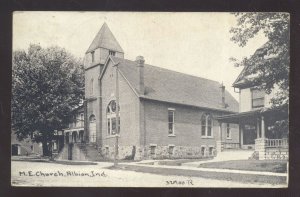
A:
{"points": [[111, 136], [171, 135], [228, 138], [207, 137]]}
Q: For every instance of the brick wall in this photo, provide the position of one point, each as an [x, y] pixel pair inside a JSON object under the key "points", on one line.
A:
{"points": [[187, 125], [100, 56], [129, 106], [187, 140]]}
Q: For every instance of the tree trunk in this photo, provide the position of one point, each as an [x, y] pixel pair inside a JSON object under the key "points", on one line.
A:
{"points": [[50, 150], [45, 148]]}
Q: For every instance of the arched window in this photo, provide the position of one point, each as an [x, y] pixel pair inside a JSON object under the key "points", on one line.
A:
{"points": [[92, 87], [206, 125], [111, 118]]}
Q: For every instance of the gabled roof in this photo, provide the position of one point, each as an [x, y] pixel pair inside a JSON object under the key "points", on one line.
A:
{"points": [[171, 86], [105, 39], [244, 77]]}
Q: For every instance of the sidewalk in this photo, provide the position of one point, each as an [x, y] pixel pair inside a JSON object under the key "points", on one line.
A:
{"points": [[227, 155], [207, 169], [237, 176]]}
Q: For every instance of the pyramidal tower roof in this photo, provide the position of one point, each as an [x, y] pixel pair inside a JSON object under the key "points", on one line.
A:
{"points": [[105, 39]]}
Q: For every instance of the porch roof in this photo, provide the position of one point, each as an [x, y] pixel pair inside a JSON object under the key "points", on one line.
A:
{"points": [[251, 116], [238, 117], [73, 129]]}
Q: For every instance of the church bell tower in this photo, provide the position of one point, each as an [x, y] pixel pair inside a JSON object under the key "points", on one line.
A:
{"points": [[103, 45]]}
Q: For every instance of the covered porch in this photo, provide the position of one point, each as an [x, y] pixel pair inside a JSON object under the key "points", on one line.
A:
{"points": [[74, 136], [257, 132]]}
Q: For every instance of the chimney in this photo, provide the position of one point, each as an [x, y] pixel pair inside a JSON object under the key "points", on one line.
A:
{"points": [[140, 65], [223, 95]]}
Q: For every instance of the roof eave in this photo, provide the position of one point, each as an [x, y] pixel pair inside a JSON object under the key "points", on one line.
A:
{"points": [[190, 105]]}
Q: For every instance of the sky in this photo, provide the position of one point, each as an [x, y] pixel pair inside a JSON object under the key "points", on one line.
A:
{"points": [[195, 43]]}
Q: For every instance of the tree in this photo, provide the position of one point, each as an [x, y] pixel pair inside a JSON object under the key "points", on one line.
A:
{"points": [[270, 63], [47, 84]]}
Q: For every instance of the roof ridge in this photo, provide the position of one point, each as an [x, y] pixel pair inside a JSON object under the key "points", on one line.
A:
{"points": [[105, 39], [171, 70], [189, 91]]}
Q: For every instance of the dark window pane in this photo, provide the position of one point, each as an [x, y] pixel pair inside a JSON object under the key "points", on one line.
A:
{"points": [[228, 131], [108, 126], [119, 125], [209, 121], [170, 128], [113, 125], [171, 150], [113, 53], [113, 106], [258, 102], [152, 150], [171, 115], [208, 131], [93, 56], [203, 130], [202, 151]]}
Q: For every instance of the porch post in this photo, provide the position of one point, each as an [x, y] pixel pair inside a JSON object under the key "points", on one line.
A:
{"points": [[220, 131], [219, 141], [70, 137], [241, 135], [65, 137], [257, 129], [263, 135], [57, 140], [78, 137]]}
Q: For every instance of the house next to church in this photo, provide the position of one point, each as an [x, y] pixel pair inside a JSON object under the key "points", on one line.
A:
{"points": [[256, 120]]}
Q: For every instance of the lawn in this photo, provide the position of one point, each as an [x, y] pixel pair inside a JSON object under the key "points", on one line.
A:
{"points": [[236, 177], [251, 165], [176, 162]]}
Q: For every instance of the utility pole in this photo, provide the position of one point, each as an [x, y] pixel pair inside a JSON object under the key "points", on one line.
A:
{"points": [[117, 118]]}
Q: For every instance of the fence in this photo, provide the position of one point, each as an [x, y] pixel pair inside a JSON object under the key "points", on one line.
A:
{"points": [[277, 142]]}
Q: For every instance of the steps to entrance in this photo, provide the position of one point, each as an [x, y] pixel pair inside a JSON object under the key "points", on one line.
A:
{"points": [[80, 152]]}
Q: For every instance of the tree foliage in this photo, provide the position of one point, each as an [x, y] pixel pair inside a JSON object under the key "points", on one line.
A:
{"points": [[269, 65], [47, 84]]}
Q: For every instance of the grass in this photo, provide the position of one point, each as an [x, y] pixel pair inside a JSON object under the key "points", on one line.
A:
{"points": [[177, 162], [236, 177], [251, 165]]}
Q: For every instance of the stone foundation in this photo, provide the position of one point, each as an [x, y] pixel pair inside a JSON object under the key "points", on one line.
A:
{"points": [[125, 152], [277, 153], [178, 152], [158, 152], [260, 148], [270, 153]]}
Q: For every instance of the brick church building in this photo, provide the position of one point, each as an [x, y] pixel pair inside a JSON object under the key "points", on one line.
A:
{"points": [[162, 113]]}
